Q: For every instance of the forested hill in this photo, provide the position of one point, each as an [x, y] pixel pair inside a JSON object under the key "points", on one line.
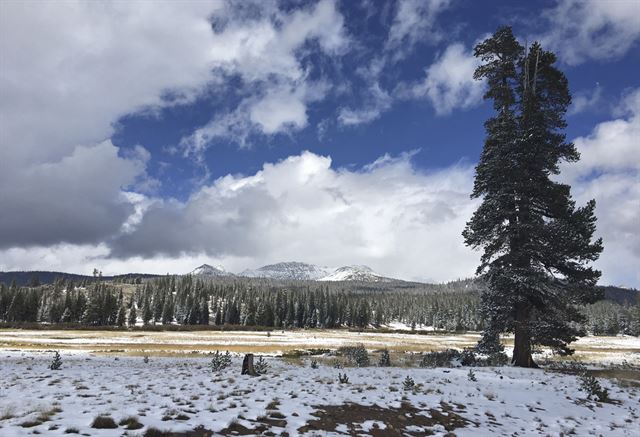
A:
{"points": [[628, 296], [620, 295], [44, 277]]}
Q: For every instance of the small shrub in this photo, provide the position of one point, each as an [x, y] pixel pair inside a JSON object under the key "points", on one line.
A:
{"points": [[439, 359], [337, 364], [343, 378], [72, 430], [155, 432], [104, 422], [385, 359], [30, 423], [408, 383], [468, 358], [131, 422], [496, 359], [56, 364], [357, 355], [590, 385], [220, 361], [261, 366], [471, 376], [314, 364], [146, 359]]}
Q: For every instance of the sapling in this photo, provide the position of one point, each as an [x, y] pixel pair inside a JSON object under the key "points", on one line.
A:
{"points": [[56, 364]]}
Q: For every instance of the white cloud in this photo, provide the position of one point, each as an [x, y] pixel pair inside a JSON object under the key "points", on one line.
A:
{"points": [[585, 100], [609, 172], [414, 22], [378, 101], [281, 109], [592, 29], [389, 215], [449, 82], [69, 72], [265, 52], [83, 258]]}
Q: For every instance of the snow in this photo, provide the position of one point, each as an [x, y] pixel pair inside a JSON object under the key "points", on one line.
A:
{"points": [[355, 273], [292, 270], [501, 402], [207, 270]]}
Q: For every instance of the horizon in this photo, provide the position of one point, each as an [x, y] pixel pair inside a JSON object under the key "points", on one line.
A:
{"points": [[171, 135]]}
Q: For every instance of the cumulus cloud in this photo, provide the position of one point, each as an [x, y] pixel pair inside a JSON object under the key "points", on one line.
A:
{"points": [[69, 72], [388, 215], [585, 100], [92, 63], [378, 101], [264, 50], [609, 172], [592, 29], [76, 199], [280, 109], [414, 21], [449, 82]]}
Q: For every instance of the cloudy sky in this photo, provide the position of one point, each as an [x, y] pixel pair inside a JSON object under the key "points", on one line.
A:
{"points": [[155, 136]]}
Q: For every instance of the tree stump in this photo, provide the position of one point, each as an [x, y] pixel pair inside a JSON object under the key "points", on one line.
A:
{"points": [[247, 366]]}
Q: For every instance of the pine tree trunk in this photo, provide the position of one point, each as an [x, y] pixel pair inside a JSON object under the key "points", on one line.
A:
{"points": [[522, 342]]}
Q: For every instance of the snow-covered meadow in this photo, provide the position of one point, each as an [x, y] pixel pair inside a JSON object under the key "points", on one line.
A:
{"points": [[181, 393]]}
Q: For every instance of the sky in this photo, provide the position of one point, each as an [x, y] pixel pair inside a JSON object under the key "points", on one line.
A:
{"points": [[156, 136]]}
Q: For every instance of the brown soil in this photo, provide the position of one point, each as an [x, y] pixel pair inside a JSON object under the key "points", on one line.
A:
{"points": [[396, 420]]}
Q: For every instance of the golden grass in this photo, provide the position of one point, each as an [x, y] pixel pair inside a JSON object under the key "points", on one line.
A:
{"points": [[197, 343]]}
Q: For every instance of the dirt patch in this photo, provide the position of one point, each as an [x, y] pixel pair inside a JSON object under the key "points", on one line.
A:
{"points": [[271, 425], [406, 420]]}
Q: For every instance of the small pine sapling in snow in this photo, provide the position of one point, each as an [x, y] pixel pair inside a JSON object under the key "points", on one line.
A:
{"points": [[56, 364], [590, 385], [343, 378], [356, 355], [146, 359], [408, 383], [385, 360], [471, 376], [220, 361], [261, 366], [314, 364]]}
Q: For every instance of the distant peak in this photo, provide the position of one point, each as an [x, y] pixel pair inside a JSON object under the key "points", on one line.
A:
{"points": [[209, 270]]}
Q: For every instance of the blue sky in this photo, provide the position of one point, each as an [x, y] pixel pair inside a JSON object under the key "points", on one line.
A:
{"points": [[155, 136]]}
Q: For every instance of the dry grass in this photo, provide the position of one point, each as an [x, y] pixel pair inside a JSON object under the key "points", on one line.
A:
{"points": [[197, 343]]}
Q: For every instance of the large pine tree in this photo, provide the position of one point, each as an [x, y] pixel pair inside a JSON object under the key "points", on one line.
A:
{"points": [[536, 243]]}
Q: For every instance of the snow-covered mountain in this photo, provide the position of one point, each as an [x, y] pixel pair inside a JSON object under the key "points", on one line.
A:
{"points": [[299, 271], [292, 270], [207, 270], [355, 273]]}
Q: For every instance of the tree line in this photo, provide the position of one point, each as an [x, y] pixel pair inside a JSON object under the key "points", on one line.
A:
{"points": [[189, 300]]}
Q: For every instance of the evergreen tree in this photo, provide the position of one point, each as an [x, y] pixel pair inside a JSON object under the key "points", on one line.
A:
{"points": [[536, 243], [167, 311], [122, 316], [133, 316]]}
